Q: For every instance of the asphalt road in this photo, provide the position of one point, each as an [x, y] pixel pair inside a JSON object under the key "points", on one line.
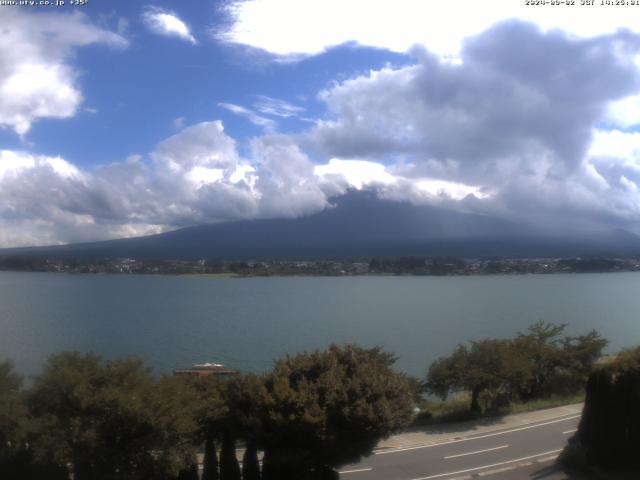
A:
{"points": [[468, 456]]}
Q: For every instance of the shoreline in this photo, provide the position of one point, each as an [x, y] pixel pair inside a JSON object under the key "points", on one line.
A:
{"points": [[316, 275]]}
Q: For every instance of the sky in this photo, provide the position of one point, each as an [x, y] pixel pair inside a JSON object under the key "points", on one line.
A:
{"points": [[122, 118]]}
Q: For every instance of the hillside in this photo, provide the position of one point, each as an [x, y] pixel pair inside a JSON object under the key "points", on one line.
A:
{"points": [[359, 224]]}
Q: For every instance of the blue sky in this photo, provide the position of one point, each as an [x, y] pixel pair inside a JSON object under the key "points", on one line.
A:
{"points": [[139, 91], [122, 118]]}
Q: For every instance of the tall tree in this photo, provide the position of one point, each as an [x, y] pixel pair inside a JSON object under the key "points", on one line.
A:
{"points": [[191, 472], [580, 355], [17, 432], [250, 463], [245, 397], [210, 413], [484, 366], [556, 364], [108, 418], [210, 459], [12, 413], [541, 346], [329, 408], [532, 365], [229, 467]]}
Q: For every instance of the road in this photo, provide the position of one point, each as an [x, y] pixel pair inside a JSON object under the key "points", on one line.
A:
{"points": [[469, 456]]}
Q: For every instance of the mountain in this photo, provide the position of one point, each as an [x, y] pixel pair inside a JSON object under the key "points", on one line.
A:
{"points": [[359, 224]]}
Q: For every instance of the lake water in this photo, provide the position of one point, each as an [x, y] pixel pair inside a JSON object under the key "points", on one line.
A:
{"points": [[175, 321]]}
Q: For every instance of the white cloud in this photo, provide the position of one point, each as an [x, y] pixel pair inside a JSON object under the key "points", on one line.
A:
{"points": [[202, 176], [250, 115], [36, 80], [615, 143], [624, 113], [512, 107], [357, 173], [285, 178], [44, 199], [362, 174], [452, 190], [166, 23], [12, 163], [203, 144], [63, 168], [195, 176], [244, 173], [198, 176], [28, 85], [316, 25], [510, 129], [276, 107]]}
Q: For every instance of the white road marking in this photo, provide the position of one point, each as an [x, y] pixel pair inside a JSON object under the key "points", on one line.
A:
{"points": [[488, 466], [570, 431], [356, 471], [447, 442], [479, 451]]}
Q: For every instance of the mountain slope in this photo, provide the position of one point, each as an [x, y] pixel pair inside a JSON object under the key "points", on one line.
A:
{"points": [[358, 225]]}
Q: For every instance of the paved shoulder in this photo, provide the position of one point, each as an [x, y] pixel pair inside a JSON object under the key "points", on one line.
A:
{"points": [[472, 449], [442, 433]]}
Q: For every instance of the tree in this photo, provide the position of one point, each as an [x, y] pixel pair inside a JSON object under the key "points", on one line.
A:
{"points": [[190, 473], [176, 435], [111, 420], [210, 459], [556, 364], [484, 366], [15, 456], [580, 355], [250, 463], [210, 414], [12, 414], [229, 467], [541, 347], [533, 365], [246, 396], [18, 433], [328, 408]]}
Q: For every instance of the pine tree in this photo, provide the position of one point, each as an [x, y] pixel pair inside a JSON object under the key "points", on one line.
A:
{"points": [[210, 462], [250, 464], [229, 467]]}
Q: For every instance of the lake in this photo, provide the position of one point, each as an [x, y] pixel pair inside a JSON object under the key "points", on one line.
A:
{"points": [[245, 323]]}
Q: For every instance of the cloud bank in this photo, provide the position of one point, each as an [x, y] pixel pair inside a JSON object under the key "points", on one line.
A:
{"points": [[293, 29], [526, 123], [193, 177], [519, 116]]}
